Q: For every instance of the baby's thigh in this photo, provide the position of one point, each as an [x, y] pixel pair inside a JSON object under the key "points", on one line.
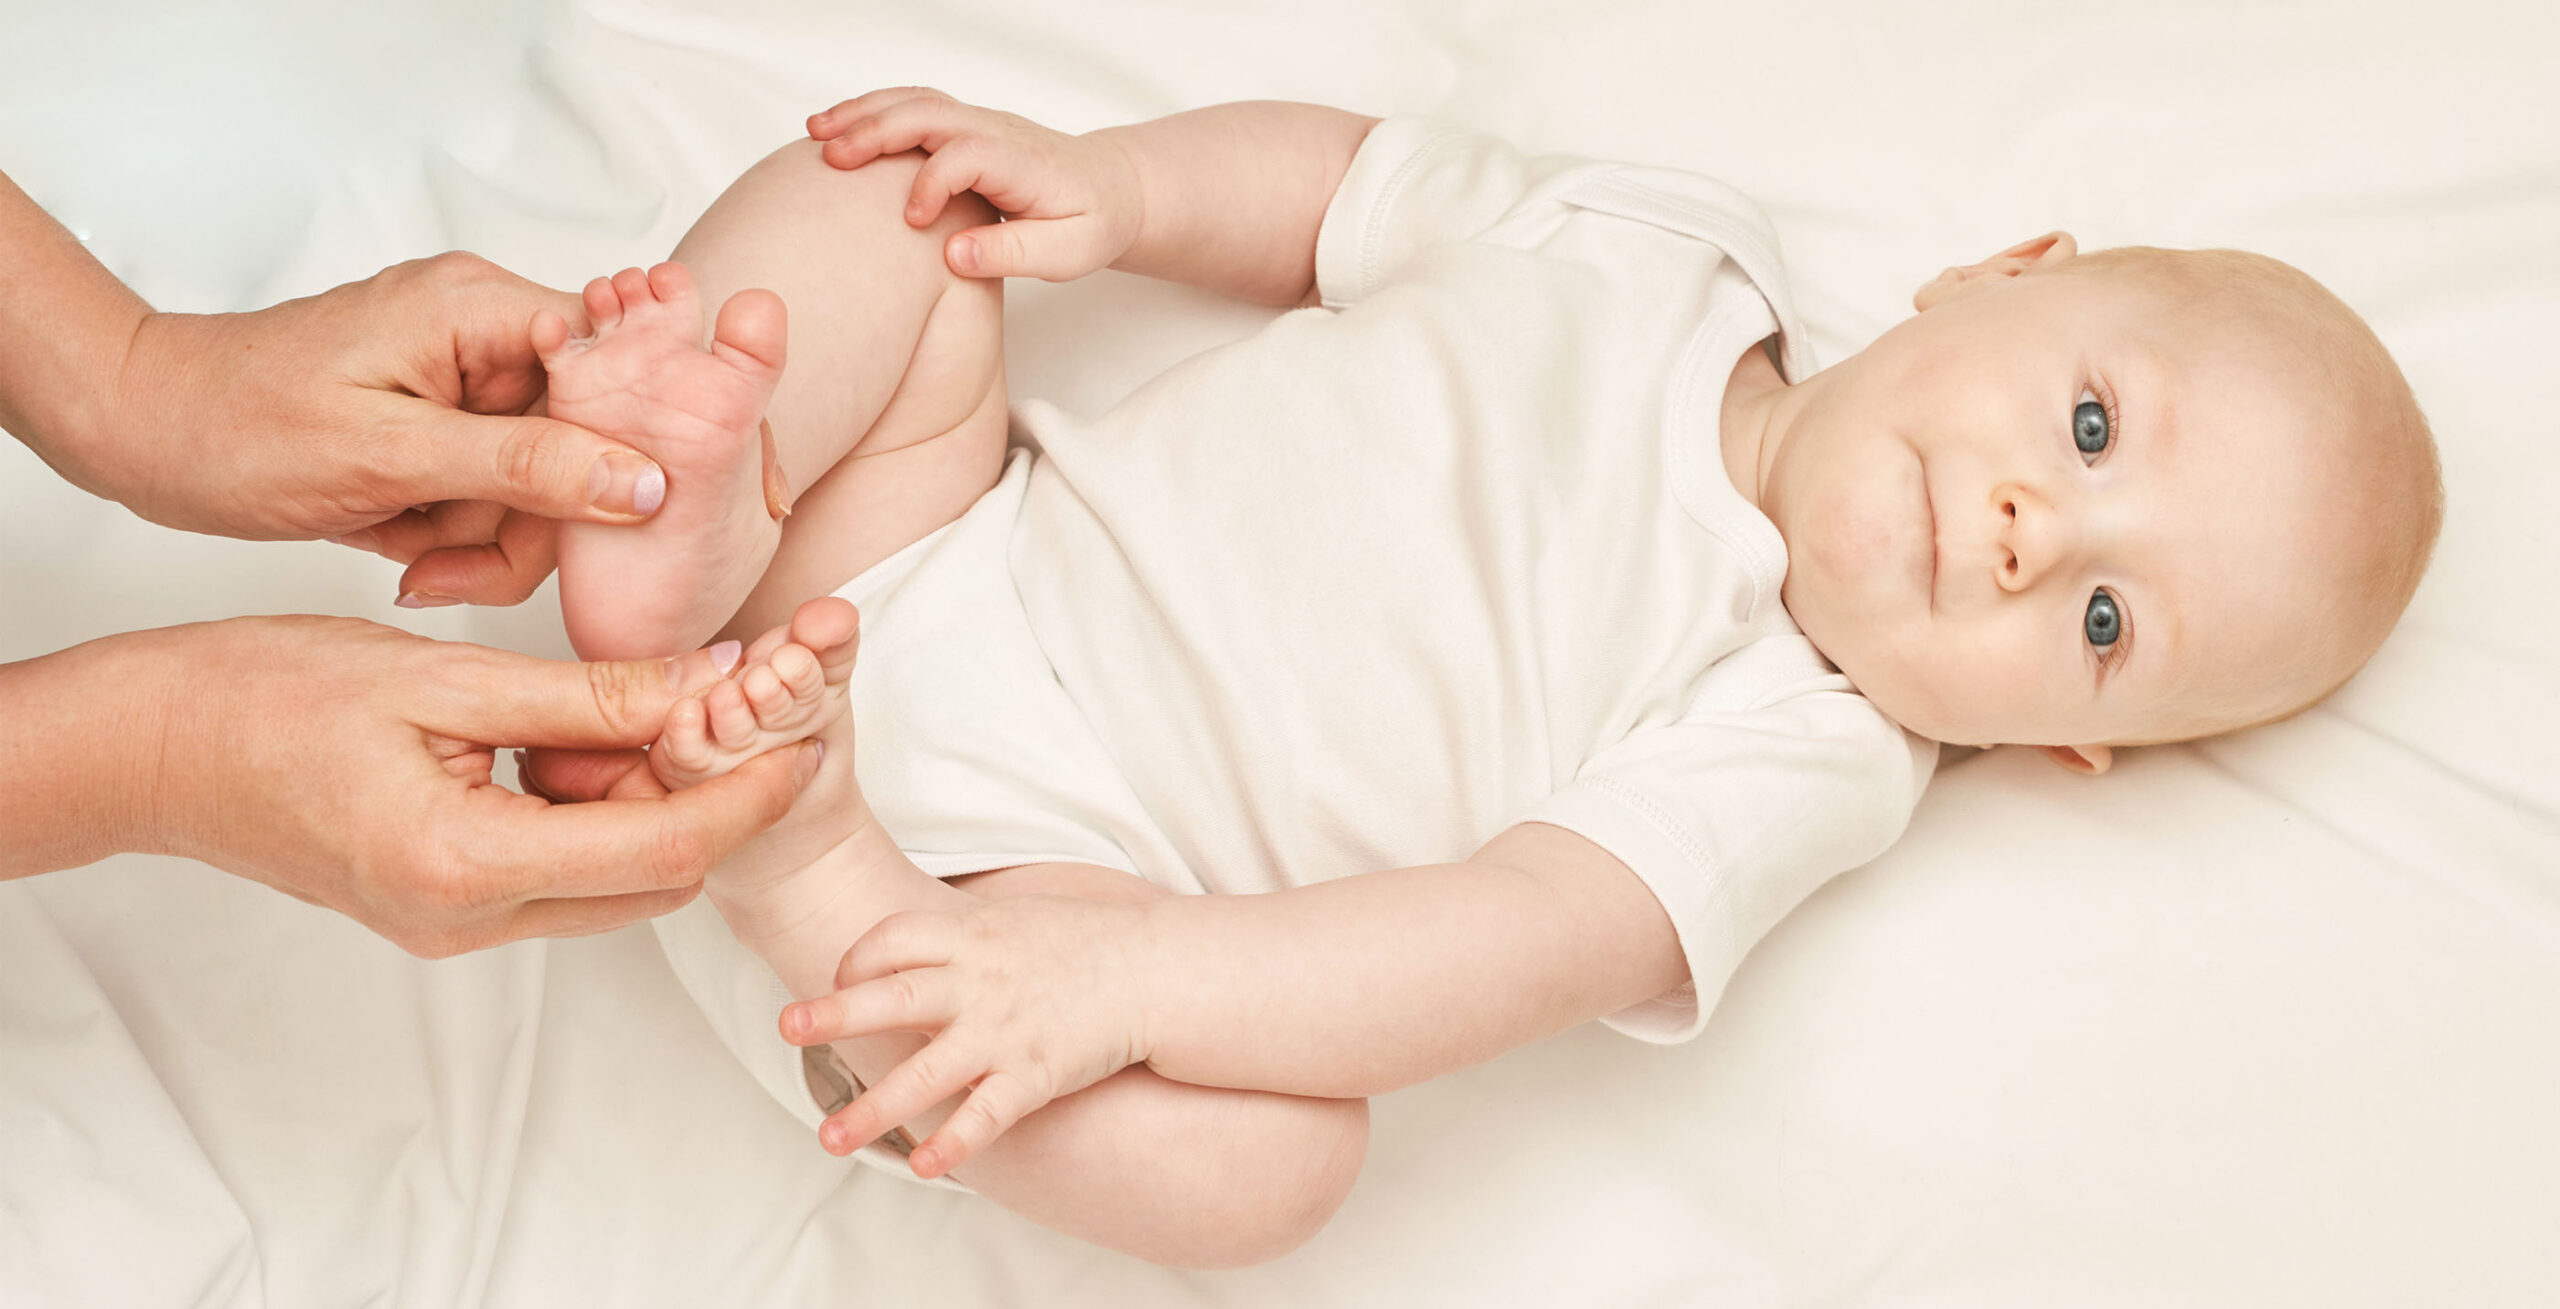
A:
{"points": [[890, 416]]}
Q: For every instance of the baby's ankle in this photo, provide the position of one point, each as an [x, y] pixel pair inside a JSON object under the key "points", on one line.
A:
{"points": [[765, 899]]}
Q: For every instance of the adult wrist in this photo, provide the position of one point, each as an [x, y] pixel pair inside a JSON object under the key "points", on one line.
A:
{"points": [[124, 433], [88, 753]]}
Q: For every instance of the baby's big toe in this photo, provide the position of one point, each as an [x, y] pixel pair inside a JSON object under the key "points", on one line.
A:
{"points": [[752, 325]]}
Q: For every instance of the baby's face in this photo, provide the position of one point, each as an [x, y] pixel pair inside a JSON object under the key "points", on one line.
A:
{"points": [[2061, 509]]}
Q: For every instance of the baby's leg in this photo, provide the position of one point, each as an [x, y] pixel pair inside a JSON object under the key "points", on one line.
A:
{"points": [[891, 419], [896, 362], [645, 378], [1178, 1174]]}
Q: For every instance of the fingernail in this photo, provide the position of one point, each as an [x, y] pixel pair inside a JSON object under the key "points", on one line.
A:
{"points": [[362, 539], [964, 254], [675, 673], [424, 600], [626, 484], [724, 656], [810, 758]]}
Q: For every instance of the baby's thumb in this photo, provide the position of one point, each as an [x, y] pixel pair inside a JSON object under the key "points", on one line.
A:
{"points": [[543, 466], [1051, 249]]}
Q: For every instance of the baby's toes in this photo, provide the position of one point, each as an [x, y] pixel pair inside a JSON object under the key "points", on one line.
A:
{"points": [[751, 330], [673, 285], [800, 673], [832, 630], [733, 721], [604, 304], [633, 286], [686, 740], [769, 698]]}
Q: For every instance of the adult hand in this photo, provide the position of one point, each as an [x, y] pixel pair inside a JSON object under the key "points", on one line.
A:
{"points": [[348, 764], [328, 415]]}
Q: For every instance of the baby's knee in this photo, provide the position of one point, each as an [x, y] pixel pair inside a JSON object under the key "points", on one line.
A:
{"points": [[874, 195], [1284, 1169]]}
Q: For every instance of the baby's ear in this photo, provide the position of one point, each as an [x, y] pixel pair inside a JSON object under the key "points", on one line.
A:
{"points": [[2088, 760], [2050, 248]]}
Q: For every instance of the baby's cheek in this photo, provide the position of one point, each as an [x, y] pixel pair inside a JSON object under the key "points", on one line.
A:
{"points": [[1968, 686]]}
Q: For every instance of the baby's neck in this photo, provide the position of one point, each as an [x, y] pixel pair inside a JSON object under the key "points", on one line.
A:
{"points": [[1750, 401]]}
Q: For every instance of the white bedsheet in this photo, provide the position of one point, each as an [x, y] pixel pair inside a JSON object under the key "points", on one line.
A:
{"points": [[2269, 1020]]}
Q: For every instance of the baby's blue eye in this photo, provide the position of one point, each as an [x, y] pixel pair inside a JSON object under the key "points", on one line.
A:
{"points": [[2103, 624], [2089, 428]]}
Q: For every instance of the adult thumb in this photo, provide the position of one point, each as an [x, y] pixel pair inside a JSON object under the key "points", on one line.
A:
{"points": [[543, 466]]}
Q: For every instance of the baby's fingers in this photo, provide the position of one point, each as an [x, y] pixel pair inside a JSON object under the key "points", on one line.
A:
{"points": [[827, 124], [920, 1000], [927, 121], [1000, 1101], [912, 938], [930, 1076]]}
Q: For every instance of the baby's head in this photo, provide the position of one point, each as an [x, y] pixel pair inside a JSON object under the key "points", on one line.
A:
{"points": [[2105, 499]]}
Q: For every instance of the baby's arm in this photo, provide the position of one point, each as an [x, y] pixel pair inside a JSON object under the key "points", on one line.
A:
{"points": [[1343, 988], [1227, 198], [1179, 1174], [1365, 984]]}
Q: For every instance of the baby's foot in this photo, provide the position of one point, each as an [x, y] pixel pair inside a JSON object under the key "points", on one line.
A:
{"points": [[790, 686], [645, 379]]}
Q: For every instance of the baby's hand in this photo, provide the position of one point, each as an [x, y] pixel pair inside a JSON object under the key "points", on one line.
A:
{"points": [[1028, 998], [1074, 202]]}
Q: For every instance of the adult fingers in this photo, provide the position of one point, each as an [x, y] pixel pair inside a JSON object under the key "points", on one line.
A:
{"points": [[777, 484], [540, 465], [573, 776], [497, 697], [589, 915], [502, 571], [406, 535], [616, 847]]}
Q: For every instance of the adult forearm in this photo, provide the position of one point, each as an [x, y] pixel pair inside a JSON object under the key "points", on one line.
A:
{"points": [[76, 760], [1364, 984], [65, 322], [1233, 194]]}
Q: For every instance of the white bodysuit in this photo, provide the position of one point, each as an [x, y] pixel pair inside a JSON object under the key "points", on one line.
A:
{"points": [[1453, 551]]}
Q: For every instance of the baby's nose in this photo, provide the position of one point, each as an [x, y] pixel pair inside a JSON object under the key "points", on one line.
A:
{"points": [[2030, 537]]}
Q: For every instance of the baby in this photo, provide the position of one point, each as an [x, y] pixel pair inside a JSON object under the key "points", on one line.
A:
{"points": [[1524, 616]]}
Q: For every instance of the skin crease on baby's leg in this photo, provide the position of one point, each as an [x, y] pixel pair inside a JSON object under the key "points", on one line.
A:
{"points": [[899, 362]]}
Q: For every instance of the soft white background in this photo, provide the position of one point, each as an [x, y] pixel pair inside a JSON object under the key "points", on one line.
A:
{"points": [[2270, 1020]]}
